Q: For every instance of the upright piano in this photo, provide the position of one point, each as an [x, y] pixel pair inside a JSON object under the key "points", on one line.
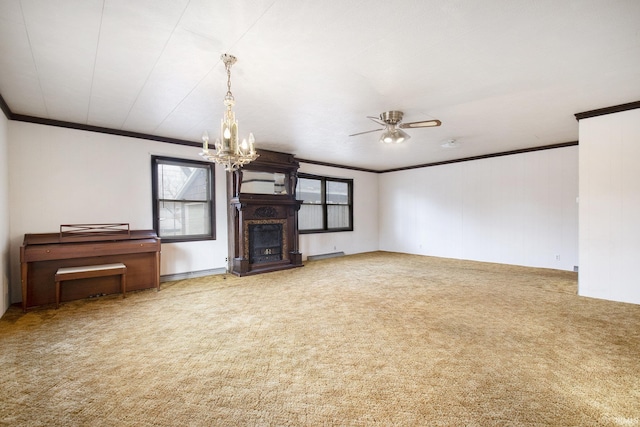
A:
{"points": [[83, 245]]}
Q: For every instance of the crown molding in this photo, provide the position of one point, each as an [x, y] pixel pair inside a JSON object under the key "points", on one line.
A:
{"points": [[608, 110], [485, 156], [99, 129], [70, 125], [5, 108], [78, 126], [334, 165]]}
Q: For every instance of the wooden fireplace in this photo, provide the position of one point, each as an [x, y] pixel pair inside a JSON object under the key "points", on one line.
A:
{"points": [[263, 215]]}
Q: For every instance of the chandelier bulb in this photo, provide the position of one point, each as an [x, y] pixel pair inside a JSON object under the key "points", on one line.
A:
{"points": [[205, 142]]}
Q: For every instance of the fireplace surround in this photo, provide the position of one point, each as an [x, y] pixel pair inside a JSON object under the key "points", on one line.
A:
{"points": [[263, 215]]}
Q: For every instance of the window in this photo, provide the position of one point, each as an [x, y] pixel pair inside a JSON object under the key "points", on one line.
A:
{"points": [[183, 192], [327, 204]]}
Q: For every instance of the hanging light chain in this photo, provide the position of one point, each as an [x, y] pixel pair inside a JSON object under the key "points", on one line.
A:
{"points": [[228, 60], [229, 80]]}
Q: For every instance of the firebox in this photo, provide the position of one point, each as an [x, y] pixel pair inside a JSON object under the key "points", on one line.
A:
{"points": [[265, 243]]}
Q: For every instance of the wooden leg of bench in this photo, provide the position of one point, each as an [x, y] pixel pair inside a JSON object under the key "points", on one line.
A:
{"points": [[24, 271], [57, 294], [123, 284]]}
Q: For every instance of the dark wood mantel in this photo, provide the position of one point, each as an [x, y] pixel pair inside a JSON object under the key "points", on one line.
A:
{"points": [[248, 208]]}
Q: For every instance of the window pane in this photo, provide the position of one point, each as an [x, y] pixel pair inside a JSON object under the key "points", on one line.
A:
{"points": [[309, 190], [182, 182], [310, 217], [171, 219], [337, 193], [197, 220], [181, 218], [338, 216]]}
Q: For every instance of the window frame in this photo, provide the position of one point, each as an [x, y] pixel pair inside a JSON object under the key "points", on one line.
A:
{"points": [[323, 190], [157, 160]]}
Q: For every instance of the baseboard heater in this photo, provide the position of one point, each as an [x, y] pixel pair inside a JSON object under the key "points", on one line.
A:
{"points": [[325, 256], [192, 274]]}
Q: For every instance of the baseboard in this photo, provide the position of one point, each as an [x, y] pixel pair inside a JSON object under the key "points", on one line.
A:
{"points": [[192, 274], [324, 256]]}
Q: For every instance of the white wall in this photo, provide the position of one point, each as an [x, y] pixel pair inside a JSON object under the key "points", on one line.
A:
{"points": [[518, 209], [4, 215], [65, 176], [610, 207], [364, 237]]}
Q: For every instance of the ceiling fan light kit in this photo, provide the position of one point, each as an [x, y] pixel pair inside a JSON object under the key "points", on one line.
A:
{"points": [[392, 132], [393, 135]]}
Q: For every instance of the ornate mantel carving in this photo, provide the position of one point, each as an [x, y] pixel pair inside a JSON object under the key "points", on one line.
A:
{"points": [[265, 212]]}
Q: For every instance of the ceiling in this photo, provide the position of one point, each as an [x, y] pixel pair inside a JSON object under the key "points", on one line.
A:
{"points": [[501, 75]]}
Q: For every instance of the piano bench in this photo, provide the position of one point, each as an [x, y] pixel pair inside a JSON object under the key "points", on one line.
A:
{"points": [[90, 271]]}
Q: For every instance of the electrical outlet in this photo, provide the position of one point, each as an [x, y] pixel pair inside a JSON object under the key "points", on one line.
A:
{"points": [[557, 257]]}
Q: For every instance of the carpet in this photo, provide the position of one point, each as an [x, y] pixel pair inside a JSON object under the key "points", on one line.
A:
{"points": [[375, 339]]}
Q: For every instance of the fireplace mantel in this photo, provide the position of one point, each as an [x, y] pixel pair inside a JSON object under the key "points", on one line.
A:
{"points": [[261, 201]]}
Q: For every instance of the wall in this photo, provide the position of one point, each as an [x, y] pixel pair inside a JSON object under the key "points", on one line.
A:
{"points": [[4, 215], [364, 237], [66, 176], [610, 206], [518, 209]]}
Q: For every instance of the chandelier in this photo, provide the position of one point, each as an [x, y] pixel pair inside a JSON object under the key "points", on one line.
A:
{"points": [[228, 152]]}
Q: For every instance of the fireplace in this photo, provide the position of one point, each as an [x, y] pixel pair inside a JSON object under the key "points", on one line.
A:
{"points": [[265, 243], [263, 215]]}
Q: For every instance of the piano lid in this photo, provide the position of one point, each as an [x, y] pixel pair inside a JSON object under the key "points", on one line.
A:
{"points": [[56, 238]]}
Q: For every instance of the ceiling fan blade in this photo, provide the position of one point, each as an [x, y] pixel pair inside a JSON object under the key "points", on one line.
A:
{"points": [[377, 120], [423, 124], [369, 131]]}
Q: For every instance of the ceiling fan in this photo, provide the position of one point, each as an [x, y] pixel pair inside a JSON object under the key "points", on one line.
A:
{"points": [[392, 130]]}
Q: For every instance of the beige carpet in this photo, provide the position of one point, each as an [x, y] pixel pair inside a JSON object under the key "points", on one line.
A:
{"points": [[373, 339]]}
